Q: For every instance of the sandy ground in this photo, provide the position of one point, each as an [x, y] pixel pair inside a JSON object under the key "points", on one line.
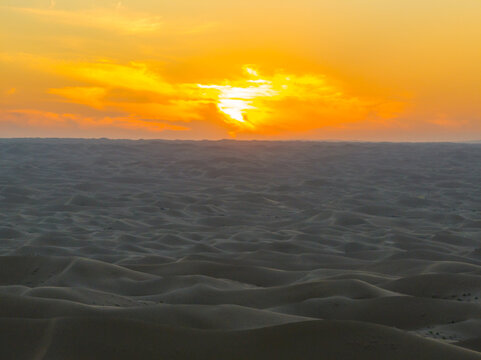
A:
{"points": [[239, 250]]}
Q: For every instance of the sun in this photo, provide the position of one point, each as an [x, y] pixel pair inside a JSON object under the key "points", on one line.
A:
{"points": [[279, 101], [239, 97]]}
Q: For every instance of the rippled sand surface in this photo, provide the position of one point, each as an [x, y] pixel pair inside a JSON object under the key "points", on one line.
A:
{"points": [[239, 250]]}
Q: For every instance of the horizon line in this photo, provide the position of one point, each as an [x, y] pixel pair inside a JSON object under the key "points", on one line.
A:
{"points": [[250, 140]]}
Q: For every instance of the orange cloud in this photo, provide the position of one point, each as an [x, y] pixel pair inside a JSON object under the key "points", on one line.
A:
{"points": [[44, 119], [132, 89], [250, 103], [117, 19], [292, 103], [36, 118], [90, 96], [133, 76], [133, 96]]}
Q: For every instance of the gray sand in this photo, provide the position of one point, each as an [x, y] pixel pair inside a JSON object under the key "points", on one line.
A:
{"points": [[239, 250]]}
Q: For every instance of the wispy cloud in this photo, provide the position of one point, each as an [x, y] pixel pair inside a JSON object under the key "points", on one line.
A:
{"points": [[90, 96], [131, 88], [38, 119], [283, 102], [117, 19], [135, 96]]}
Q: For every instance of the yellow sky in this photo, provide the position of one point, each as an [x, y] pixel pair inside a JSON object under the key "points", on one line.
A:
{"points": [[264, 69]]}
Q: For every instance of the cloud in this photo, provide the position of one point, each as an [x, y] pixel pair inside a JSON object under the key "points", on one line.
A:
{"points": [[90, 96], [134, 96], [38, 119], [118, 19], [289, 103], [251, 104], [135, 76], [130, 88]]}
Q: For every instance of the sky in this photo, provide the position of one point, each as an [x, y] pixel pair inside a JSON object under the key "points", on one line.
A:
{"points": [[370, 70]]}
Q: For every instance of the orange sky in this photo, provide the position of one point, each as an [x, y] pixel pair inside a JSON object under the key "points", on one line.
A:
{"points": [[285, 69]]}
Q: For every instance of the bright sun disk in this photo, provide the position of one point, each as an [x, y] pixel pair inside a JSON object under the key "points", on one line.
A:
{"points": [[234, 101]]}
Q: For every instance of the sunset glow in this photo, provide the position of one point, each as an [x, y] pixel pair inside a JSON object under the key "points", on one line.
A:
{"points": [[301, 70], [235, 101]]}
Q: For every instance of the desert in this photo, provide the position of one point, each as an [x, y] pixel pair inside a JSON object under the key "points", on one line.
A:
{"points": [[119, 249]]}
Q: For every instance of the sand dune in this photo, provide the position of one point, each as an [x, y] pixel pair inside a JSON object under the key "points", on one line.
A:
{"points": [[88, 338], [239, 250]]}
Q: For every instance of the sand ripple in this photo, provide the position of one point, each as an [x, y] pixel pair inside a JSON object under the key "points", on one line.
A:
{"points": [[239, 250]]}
